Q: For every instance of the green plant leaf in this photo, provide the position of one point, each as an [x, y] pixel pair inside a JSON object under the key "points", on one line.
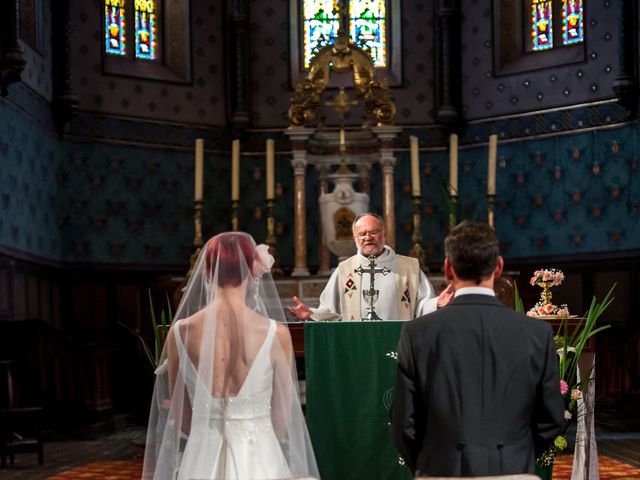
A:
{"points": [[519, 306], [160, 330], [144, 345]]}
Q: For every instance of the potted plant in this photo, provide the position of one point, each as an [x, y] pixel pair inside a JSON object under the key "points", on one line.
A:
{"points": [[570, 343]]}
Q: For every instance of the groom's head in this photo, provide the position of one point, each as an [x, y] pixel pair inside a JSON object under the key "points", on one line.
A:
{"points": [[471, 250]]}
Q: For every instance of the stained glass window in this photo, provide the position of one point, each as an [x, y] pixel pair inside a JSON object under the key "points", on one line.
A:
{"points": [[368, 28], [320, 25], [565, 18], [115, 27], [541, 24], [145, 29], [572, 22]]}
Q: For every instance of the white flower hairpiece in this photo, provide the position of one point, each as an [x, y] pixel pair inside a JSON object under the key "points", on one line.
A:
{"points": [[264, 260]]}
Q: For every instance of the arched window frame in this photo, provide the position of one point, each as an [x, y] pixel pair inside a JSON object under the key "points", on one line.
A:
{"points": [[173, 56], [513, 54], [393, 70], [32, 24]]}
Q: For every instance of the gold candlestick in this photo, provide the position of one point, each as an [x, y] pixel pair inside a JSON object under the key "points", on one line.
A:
{"points": [[271, 239], [234, 215], [491, 201], [197, 238], [417, 251], [453, 210]]}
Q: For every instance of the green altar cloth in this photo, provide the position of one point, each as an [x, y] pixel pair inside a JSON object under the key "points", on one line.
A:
{"points": [[350, 374]]}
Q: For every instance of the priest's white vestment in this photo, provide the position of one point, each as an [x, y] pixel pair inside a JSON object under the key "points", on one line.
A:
{"points": [[405, 293]]}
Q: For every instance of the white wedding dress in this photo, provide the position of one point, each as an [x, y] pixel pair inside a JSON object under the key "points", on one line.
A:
{"points": [[232, 438]]}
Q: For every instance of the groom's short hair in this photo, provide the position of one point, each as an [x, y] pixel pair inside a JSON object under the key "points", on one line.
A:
{"points": [[472, 249]]}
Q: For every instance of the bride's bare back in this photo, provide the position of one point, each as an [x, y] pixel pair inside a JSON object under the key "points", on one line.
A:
{"points": [[239, 334]]}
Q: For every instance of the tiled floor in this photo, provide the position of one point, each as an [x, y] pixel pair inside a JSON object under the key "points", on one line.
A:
{"points": [[127, 440]]}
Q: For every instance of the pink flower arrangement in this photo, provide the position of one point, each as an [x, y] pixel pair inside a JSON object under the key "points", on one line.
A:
{"points": [[564, 387], [551, 275], [570, 343], [548, 309]]}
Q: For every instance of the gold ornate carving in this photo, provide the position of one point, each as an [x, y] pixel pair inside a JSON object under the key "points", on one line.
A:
{"points": [[341, 57]]}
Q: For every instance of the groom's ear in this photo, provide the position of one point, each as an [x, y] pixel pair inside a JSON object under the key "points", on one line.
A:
{"points": [[499, 267], [448, 269]]}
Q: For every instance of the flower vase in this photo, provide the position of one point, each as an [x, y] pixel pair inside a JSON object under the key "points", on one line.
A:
{"points": [[545, 296], [545, 472]]}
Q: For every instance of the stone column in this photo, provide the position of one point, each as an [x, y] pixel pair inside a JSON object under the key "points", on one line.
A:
{"points": [[324, 255], [624, 85], [299, 137], [388, 164], [386, 136]]}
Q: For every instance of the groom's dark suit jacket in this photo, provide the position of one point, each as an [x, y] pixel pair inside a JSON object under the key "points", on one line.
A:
{"points": [[477, 390]]}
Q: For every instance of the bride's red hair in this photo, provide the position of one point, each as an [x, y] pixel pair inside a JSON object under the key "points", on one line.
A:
{"points": [[229, 258]]}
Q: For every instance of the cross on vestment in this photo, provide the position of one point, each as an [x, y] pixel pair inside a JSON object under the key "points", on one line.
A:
{"points": [[371, 295]]}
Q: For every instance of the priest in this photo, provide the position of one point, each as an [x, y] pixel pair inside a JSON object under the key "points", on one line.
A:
{"points": [[404, 294]]}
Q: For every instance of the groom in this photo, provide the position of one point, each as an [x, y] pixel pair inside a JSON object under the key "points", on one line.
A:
{"points": [[477, 389]]}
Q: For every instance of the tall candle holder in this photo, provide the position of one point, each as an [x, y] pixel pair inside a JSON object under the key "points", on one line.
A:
{"points": [[197, 238], [234, 215], [453, 210], [416, 250], [491, 202], [271, 238]]}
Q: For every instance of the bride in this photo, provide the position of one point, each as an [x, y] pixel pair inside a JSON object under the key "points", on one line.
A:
{"points": [[225, 403]]}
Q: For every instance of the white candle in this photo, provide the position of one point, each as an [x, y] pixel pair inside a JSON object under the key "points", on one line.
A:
{"points": [[199, 170], [415, 166], [270, 169], [491, 181], [235, 170], [453, 164]]}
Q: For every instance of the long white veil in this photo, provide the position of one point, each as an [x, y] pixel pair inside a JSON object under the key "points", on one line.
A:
{"points": [[217, 379]]}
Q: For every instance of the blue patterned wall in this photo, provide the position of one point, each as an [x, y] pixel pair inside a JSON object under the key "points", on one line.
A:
{"points": [[29, 156], [571, 194], [559, 195], [134, 205], [104, 203]]}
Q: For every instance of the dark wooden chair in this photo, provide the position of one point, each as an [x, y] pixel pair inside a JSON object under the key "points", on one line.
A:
{"points": [[20, 427]]}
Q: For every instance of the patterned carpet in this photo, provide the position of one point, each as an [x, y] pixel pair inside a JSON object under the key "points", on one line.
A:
{"points": [[132, 469], [610, 469], [106, 470]]}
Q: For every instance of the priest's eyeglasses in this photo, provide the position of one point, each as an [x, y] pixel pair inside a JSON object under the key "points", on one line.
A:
{"points": [[369, 233]]}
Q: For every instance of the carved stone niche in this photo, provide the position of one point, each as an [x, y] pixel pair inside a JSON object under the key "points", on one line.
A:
{"points": [[331, 153]]}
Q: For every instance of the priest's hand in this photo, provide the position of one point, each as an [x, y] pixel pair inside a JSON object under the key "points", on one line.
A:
{"points": [[445, 296], [301, 311]]}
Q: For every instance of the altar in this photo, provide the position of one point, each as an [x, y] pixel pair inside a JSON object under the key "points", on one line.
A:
{"points": [[350, 370], [350, 375]]}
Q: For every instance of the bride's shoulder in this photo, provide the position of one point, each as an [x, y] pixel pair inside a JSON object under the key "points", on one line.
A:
{"points": [[282, 332], [189, 322]]}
